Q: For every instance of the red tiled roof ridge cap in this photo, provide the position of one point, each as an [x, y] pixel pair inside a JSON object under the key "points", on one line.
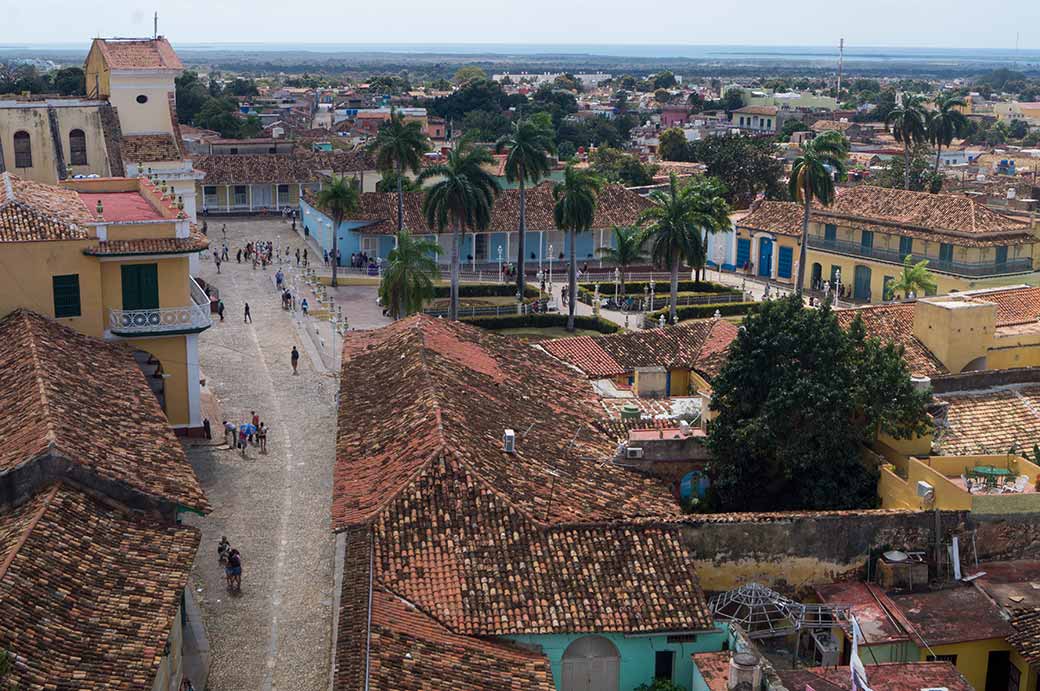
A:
{"points": [[24, 536], [32, 321]]}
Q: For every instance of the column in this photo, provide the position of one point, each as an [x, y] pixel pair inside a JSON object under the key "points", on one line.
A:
{"points": [[774, 272], [227, 198], [191, 351], [249, 188], [473, 252]]}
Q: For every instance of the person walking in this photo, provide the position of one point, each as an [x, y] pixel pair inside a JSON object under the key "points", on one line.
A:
{"points": [[294, 357], [217, 260], [243, 439], [305, 256], [233, 571], [303, 307], [230, 434], [261, 437], [220, 309], [297, 256], [238, 256], [248, 317], [279, 278], [223, 231]]}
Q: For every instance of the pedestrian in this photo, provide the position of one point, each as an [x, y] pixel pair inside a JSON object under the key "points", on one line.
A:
{"points": [[234, 571], [238, 256], [305, 256], [255, 419], [303, 307], [243, 439], [224, 252], [248, 317], [325, 257], [295, 358], [297, 256], [230, 434], [223, 231], [261, 436], [220, 309], [279, 277], [216, 260]]}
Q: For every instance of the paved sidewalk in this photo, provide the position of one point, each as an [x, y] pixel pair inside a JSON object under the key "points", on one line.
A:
{"points": [[274, 508]]}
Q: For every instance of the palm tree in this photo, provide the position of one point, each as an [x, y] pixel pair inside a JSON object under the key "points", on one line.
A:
{"points": [[908, 122], [710, 213], [529, 147], [812, 177], [411, 269], [945, 123], [339, 199], [576, 196], [398, 147], [462, 197], [671, 232], [916, 278], [627, 250]]}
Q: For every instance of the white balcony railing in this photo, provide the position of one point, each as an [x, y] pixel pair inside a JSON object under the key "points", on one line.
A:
{"points": [[159, 321]]}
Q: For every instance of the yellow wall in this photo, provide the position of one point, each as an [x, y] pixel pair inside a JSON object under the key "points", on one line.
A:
{"points": [[973, 658], [1027, 682], [174, 288], [680, 385], [1014, 350], [171, 351], [956, 331], [142, 118], [97, 74], [897, 493], [141, 231], [35, 121]]}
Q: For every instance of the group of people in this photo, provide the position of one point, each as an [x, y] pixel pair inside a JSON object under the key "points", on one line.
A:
{"points": [[361, 260], [249, 433], [231, 560]]}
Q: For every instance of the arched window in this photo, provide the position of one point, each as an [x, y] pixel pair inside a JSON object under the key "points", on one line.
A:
{"points": [[77, 148], [591, 663], [22, 150]]}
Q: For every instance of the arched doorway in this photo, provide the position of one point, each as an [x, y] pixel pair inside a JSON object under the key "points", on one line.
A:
{"points": [[861, 288], [591, 663], [153, 374], [816, 280]]}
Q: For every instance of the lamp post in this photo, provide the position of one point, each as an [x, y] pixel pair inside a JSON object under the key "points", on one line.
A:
{"points": [[837, 285], [653, 287], [550, 266], [500, 263], [617, 287], [646, 298]]}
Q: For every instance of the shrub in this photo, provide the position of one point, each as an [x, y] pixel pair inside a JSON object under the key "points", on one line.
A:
{"points": [[685, 312], [541, 321], [485, 290], [660, 287]]}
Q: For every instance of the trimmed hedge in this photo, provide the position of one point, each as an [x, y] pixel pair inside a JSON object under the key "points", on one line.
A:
{"points": [[485, 290], [685, 312], [541, 321], [660, 287]]}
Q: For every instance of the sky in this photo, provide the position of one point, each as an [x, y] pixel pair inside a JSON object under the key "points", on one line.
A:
{"points": [[903, 23]]}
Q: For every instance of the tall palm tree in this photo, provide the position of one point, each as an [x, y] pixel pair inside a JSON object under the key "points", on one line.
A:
{"points": [[915, 278], [908, 121], [812, 177], [671, 232], [411, 269], [627, 250], [339, 199], [710, 213], [576, 197], [398, 147], [945, 123], [462, 197], [528, 146]]}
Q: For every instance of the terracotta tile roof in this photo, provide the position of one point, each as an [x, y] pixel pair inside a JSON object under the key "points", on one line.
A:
{"points": [[139, 54], [408, 650], [452, 391], [990, 421], [866, 601], [953, 615], [465, 555], [782, 218], [890, 676], [714, 668], [246, 169], [1019, 305], [195, 242], [696, 344], [32, 211], [617, 206], [1026, 637], [145, 148], [894, 323], [85, 404], [828, 125], [88, 592], [757, 110]]}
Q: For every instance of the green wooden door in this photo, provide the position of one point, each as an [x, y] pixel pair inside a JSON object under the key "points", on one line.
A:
{"points": [[140, 286]]}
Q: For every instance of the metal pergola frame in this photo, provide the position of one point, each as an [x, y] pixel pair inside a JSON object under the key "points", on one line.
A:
{"points": [[765, 613]]}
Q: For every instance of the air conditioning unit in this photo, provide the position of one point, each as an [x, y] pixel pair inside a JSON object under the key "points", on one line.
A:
{"points": [[632, 452], [509, 441], [924, 489]]}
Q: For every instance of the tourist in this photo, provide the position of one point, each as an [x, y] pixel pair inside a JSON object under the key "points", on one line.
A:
{"points": [[256, 426], [224, 252], [325, 257], [297, 256], [305, 256], [233, 571], [248, 317], [303, 307], [238, 256], [261, 437], [217, 260], [294, 357], [223, 231], [223, 549], [243, 439], [220, 309], [230, 433]]}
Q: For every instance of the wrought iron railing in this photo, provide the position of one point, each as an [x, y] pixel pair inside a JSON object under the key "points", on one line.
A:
{"points": [[158, 321], [990, 268]]}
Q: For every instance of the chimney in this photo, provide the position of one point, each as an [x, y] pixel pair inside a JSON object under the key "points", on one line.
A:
{"points": [[957, 330], [745, 673]]}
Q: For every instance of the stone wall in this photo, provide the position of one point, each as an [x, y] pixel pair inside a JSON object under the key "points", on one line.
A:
{"points": [[795, 551]]}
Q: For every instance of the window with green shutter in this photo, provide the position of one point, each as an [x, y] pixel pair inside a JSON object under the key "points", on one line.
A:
{"points": [[140, 286], [66, 295]]}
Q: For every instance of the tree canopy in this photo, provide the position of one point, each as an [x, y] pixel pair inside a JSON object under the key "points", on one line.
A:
{"points": [[796, 400], [745, 165]]}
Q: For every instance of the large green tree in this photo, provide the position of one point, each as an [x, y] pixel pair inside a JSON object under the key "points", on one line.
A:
{"points": [[399, 146], [528, 147], [575, 210], [339, 199], [908, 122], [812, 178], [411, 269], [915, 278], [626, 249], [944, 123], [710, 216], [796, 401], [746, 165], [672, 145], [462, 198]]}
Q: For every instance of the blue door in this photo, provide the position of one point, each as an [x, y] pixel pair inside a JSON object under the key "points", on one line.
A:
{"points": [[743, 252], [784, 262], [1002, 257], [861, 289], [765, 257]]}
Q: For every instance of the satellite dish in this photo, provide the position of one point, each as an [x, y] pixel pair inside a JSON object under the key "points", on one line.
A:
{"points": [[895, 555]]}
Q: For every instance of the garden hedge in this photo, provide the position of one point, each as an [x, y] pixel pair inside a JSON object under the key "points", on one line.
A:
{"points": [[541, 321], [685, 312], [485, 290], [660, 287]]}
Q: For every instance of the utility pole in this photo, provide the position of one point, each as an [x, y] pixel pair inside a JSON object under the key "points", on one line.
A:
{"points": [[155, 26], [841, 60]]}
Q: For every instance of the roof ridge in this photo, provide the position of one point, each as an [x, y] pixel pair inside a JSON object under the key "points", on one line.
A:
{"points": [[8, 189], [24, 537], [47, 416]]}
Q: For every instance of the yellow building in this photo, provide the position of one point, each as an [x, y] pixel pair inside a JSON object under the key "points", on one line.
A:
{"points": [[111, 257], [858, 244]]}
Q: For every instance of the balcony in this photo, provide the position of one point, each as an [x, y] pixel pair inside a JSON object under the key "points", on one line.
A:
{"points": [[974, 269], [162, 321]]}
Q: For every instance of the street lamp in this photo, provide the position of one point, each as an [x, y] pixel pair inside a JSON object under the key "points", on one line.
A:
{"points": [[837, 284], [550, 266], [500, 263], [617, 286]]}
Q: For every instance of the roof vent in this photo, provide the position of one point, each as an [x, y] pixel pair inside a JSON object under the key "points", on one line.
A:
{"points": [[509, 441]]}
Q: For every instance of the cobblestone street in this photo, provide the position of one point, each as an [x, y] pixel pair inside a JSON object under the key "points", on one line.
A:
{"points": [[273, 507]]}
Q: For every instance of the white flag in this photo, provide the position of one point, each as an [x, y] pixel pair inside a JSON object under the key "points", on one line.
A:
{"points": [[858, 672]]}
